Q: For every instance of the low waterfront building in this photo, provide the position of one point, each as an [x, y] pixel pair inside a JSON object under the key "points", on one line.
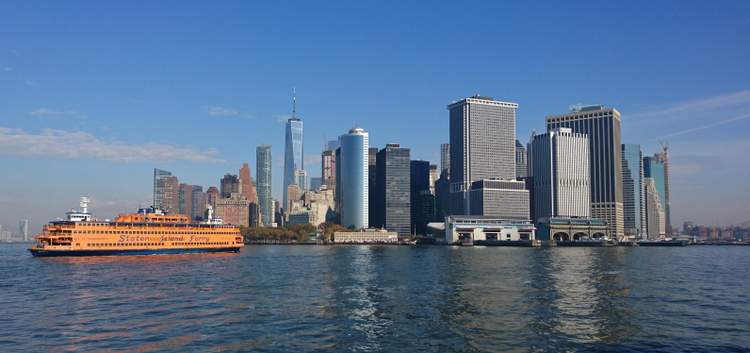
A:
{"points": [[377, 236], [299, 218], [572, 229], [477, 228]]}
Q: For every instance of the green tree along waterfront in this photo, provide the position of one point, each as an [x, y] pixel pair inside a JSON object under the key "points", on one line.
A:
{"points": [[294, 233]]}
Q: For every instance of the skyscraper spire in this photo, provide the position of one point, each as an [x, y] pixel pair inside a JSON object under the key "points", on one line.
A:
{"points": [[293, 148], [294, 103]]}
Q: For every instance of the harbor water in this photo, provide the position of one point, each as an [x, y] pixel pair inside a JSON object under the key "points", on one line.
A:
{"points": [[279, 298]]}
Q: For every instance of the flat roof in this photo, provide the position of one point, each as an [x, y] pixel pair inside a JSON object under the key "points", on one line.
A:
{"points": [[483, 100]]}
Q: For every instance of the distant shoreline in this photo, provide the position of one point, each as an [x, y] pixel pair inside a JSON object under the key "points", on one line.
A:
{"points": [[569, 244]]}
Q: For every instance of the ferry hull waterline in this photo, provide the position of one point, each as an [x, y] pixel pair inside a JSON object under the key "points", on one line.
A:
{"points": [[147, 232], [50, 253]]}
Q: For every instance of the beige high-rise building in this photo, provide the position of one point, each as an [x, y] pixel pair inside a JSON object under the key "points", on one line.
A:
{"points": [[655, 219], [294, 193], [328, 169], [247, 187], [185, 200]]}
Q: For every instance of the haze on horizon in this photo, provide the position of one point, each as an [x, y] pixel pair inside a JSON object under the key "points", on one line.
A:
{"points": [[96, 95]]}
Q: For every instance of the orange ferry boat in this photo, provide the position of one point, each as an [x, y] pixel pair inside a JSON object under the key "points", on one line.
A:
{"points": [[147, 232]]}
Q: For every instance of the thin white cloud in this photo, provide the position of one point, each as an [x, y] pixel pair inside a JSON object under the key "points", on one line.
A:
{"points": [[222, 111], [312, 160], [282, 118], [739, 98], [705, 127], [219, 111], [78, 145], [47, 112]]}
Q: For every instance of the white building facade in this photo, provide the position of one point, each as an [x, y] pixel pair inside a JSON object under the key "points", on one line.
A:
{"points": [[655, 219], [477, 228], [559, 163], [602, 125]]}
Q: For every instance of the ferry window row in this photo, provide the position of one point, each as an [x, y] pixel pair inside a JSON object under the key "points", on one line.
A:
{"points": [[143, 232], [99, 245], [208, 243]]}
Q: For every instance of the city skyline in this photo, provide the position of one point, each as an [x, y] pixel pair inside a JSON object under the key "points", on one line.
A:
{"points": [[113, 162]]}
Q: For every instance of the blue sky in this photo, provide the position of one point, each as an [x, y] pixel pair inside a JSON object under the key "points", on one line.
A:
{"points": [[94, 95]]}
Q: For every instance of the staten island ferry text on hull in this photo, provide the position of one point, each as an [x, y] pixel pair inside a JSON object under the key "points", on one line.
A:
{"points": [[149, 231]]}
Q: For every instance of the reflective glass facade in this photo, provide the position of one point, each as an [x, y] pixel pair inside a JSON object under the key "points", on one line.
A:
{"points": [[160, 186], [263, 179], [293, 152], [353, 181], [634, 203], [392, 195], [654, 168]]}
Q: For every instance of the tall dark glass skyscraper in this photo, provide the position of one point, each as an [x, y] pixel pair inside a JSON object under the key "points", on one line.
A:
{"points": [[602, 125], [521, 160], [445, 159], [372, 161], [198, 206], [392, 199], [633, 200], [422, 201], [263, 178], [160, 186]]}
